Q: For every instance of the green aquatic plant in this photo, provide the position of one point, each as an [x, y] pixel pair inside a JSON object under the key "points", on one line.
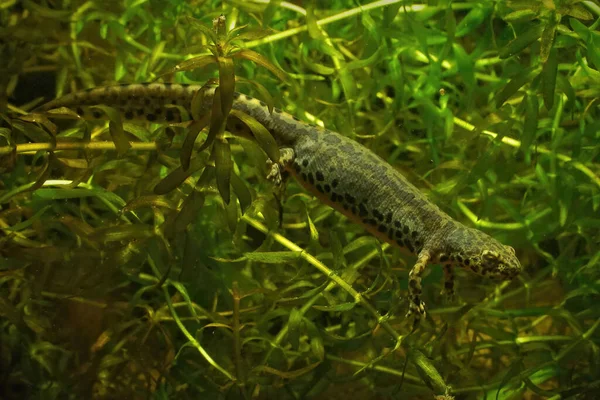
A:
{"points": [[126, 273]]}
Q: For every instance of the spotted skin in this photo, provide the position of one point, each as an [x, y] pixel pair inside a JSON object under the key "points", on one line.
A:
{"points": [[340, 172]]}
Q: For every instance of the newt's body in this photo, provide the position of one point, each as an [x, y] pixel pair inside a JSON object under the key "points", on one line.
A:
{"points": [[342, 173]]}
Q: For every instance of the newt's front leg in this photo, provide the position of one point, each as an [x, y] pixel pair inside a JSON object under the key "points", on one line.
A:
{"points": [[416, 306], [286, 157]]}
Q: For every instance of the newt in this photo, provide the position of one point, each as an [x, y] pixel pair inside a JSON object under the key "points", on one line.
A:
{"points": [[338, 171]]}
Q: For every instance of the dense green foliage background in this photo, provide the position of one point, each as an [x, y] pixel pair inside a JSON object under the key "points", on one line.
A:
{"points": [[109, 290]]}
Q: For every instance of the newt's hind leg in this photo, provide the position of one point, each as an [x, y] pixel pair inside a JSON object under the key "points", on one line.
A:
{"points": [[278, 175], [416, 306]]}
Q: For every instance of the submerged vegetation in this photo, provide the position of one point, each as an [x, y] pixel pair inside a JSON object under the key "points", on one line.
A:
{"points": [[135, 262]]}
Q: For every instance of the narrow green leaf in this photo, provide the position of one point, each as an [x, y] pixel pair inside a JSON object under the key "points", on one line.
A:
{"points": [[427, 371], [513, 86], [549, 72], [465, 65], [530, 124], [520, 16], [264, 94], [522, 41], [189, 211], [28, 222], [188, 144], [473, 19], [547, 39], [356, 64], [579, 12], [208, 31], [148, 201], [579, 28], [513, 372], [242, 192], [224, 168], [193, 63], [226, 83], [179, 175], [262, 135], [295, 327], [263, 62], [216, 121], [118, 136], [115, 128], [122, 232]]}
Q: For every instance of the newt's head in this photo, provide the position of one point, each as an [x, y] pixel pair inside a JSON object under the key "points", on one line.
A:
{"points": [[481, 253]]}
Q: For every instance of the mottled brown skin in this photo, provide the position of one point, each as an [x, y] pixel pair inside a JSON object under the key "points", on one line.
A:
{"points": [[340, 172]]}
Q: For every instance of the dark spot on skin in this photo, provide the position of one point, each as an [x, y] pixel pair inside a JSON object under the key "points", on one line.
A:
{"points": [[362, 210], [388, 217], [311, 179], [296, 118], [406, 230], [174, 101], [414, 234], [391, 234], [140, 112], [377, 214], [236, 95], [319, 176], [303, 176], [397, 224], [151, 117], [158, 111], [305, 163], [262, 103], [413, 283], [327, 188], [97, 114], [277, 110], [334, 183], [459, 259], [347, 148], [297, 167], [350, 199], [319, 188], [129, 115], [467, 262], [382, 228], [399, 233], [331, 138], [147, 101], [418, 244], [79, 111], [170, 116], [249, 97]]}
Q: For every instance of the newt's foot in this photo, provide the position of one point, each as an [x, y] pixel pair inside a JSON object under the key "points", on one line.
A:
{"points": [[276, 169], [449, 295], [275, 173], [417, 308]]}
